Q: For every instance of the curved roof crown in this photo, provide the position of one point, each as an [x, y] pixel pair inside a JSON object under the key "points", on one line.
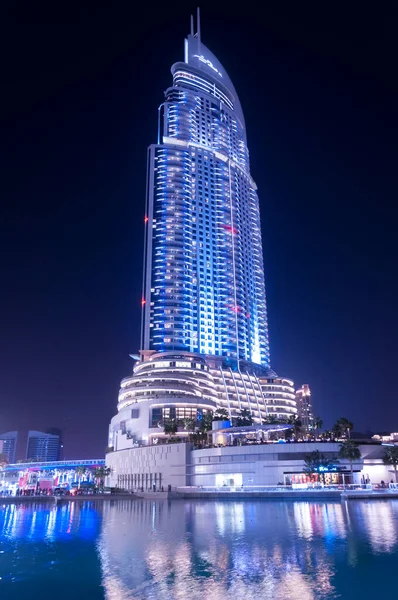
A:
{"points": [[199, 56]]}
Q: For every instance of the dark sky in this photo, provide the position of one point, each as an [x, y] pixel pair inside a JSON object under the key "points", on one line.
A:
{"points": [[80, 93]]}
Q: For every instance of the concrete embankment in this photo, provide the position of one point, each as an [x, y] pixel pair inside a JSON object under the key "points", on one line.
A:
{"points": [[370, 495], [197, 495], [287, 495], [63, 499]]}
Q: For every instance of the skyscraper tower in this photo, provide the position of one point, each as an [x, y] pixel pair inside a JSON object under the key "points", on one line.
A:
{"points": [[304, 407], [204, 288], [204, 336]]}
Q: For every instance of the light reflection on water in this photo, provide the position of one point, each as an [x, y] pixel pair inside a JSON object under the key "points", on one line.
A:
{"points": [[242, 549], [131, 550]]}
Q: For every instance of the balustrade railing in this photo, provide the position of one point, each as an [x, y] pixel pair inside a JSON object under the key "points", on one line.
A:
{"points": [[305, 487]]}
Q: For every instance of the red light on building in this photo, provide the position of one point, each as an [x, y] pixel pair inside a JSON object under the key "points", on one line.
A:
{"points": [[236, 309], [146, 220], [231, 229], [143, 302]]}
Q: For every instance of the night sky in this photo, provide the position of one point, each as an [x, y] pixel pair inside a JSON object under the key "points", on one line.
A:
{"points": [[80, 93]]}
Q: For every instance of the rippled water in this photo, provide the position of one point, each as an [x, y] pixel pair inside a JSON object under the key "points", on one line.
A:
{"points": [[131, 550]]}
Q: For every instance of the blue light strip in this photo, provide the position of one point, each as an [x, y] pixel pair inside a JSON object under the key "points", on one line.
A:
{"points": [[56, 464]]}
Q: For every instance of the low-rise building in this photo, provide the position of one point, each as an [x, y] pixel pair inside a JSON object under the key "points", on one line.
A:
{"points": [[255, 464], [385, 437]]}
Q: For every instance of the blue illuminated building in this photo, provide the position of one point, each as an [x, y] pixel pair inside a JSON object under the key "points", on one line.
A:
{"points": [[204, 285], [204, 336], [42, 446]]}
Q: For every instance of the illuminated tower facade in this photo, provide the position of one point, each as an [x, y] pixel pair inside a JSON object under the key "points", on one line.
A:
{"points": [[204, 289], [304, 407], [204, 336]]}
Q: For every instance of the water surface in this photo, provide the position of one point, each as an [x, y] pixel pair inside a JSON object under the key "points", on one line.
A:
{"points": [[131, 550]]}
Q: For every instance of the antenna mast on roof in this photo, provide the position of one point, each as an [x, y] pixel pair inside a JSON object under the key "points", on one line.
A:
{"points": [[198, 23], [198, 27], [195, 35]]}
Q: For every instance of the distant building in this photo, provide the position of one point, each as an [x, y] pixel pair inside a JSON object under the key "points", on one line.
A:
{"points": [[8, 444], [57, 431], [304, 407], [42, 446], [384, 437]]}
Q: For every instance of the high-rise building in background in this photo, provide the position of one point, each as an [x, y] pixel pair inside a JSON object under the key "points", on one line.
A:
{"points": [[57, 431], [42, 446], [8, 445], [304, 407], [204, 332]]}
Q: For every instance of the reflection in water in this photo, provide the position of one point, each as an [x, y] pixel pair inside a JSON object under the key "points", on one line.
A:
{"points": [[38, 521], [378, 518], [170, 550], [326, 519], [280, 550], [49, 551], [206, 549]]}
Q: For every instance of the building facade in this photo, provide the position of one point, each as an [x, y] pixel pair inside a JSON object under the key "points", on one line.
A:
{"points": [[204, 332], [8, 445], [304, 407], [265, 464], [42, 446], [184, 386], [57, 431], [179, 465], [204, 289]]}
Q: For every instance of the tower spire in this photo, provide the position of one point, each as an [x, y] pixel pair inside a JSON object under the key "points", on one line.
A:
{"points": [[192, 32]]}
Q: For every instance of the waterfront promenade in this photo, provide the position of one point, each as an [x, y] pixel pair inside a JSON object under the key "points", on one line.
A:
{"points": [[349, 491], [346, 492]]}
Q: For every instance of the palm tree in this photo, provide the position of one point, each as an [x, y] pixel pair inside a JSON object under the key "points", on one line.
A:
{"points": [[206, 424], [342, 428], [318, 463], [170, 427], [317, 423], [312, 462], [100, 473], [288, 434], [297, 424], [244, 419], [80, 472], [391, 458], [188, 424], [350, 451], [221, 414]]}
